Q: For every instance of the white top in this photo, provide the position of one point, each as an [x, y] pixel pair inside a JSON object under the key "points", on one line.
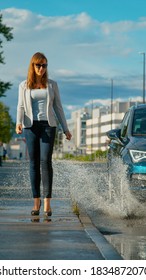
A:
{"points": [[39, 104], [54, 106]]}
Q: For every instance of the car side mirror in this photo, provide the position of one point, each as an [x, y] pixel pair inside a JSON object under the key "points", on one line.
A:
{"points": [[114, 134], [126, 140]]}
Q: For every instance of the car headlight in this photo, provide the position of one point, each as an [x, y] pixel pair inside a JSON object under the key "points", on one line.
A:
{"points": [[137, 155]]}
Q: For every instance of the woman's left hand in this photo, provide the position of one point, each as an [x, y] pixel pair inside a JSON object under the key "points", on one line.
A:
{"points": [[68, 135]]}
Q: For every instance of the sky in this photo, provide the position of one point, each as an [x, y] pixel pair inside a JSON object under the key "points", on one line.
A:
{"points": [[88, 43]]}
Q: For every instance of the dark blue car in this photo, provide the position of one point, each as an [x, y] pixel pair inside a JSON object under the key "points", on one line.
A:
{"points": [[129, 143]]}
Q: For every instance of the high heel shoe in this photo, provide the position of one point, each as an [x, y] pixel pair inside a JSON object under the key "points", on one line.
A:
{"points": [[36, 212], [48, 213]]}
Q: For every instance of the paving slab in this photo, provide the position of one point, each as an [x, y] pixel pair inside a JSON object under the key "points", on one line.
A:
{"points": [[61, 237], [64, 236]]}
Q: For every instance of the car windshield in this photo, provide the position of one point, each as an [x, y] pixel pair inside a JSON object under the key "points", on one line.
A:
{"points": [[139, 122]]}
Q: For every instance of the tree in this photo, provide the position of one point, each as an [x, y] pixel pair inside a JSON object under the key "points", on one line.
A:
{"points": [[5, 32], [6, 124]]}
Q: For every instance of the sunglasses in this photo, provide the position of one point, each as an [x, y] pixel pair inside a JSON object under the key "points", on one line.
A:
{"points": [[41, 65]]}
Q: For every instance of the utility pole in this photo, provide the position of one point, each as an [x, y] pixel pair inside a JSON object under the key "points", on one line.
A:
{"points": [[111, 103], [91, 128], [143, 53]]}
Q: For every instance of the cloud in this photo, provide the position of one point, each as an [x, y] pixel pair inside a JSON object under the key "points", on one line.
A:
{"points": [[83, 54], [107, 102], [71, 22], [80, 91]]}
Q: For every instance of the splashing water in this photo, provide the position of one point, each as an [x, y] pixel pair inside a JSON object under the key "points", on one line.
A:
{"points": [[122, 199], [92, 188], [88, 184]]}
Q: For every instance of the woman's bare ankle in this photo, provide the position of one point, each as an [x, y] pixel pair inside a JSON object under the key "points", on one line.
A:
{"points": [[47, 206], [37, 203]]}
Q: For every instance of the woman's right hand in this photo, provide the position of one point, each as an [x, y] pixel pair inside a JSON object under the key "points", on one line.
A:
{"points": [[19, 128], [68, 135]]}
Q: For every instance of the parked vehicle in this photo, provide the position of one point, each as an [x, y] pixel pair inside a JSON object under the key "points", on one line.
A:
{"points": [[129, 143]]}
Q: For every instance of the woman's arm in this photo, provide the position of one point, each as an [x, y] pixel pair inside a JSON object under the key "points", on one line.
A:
{"points": [[20, 109]]}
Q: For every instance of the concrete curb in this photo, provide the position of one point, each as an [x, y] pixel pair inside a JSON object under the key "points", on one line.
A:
{"points": [[106, 249]]}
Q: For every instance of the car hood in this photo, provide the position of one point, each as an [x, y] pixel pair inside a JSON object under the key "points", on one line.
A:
{"points": [[138, 143]]}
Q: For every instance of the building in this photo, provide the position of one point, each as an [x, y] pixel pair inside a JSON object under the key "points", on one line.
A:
{"points": [[101, 122], [77, 126], [17, 149], [89, 126]]}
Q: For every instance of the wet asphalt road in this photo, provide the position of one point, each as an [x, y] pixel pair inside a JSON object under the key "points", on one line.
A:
{"points": [[122, 220]]}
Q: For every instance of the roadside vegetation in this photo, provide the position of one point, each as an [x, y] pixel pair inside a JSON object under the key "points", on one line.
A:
{"points": [[97, 156], [6, 122]]}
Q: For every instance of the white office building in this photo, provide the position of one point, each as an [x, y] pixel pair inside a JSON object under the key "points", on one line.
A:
{"points": [[77, 126], [89, 126]]}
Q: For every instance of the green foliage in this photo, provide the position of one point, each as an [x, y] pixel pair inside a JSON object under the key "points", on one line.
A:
{"points": [[97, 156], [6, 124], [4, 87], [76, 209], [68, 156], [100, 154], [5, 32]]}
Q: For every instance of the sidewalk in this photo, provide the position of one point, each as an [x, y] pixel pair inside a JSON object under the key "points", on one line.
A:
{"points": [[63, 237]]}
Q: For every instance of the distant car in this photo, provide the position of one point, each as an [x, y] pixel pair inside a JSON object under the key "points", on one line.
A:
{"points": [[129, 143]]}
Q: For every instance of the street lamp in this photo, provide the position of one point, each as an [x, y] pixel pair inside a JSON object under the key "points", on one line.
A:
{"points": [[143, 53], [111, 103]]}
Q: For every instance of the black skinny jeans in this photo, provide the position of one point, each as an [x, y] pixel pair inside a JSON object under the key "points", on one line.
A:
{"points": [[40, 141]]}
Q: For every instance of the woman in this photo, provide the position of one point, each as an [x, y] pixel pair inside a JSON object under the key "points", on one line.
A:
{"points": [[38, 99]]}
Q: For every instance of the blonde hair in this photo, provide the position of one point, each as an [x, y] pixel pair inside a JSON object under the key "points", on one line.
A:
{"points": [[31, 77]]}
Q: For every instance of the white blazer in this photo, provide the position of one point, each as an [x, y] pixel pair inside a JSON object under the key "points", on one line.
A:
{"points": [[24, 107]]}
